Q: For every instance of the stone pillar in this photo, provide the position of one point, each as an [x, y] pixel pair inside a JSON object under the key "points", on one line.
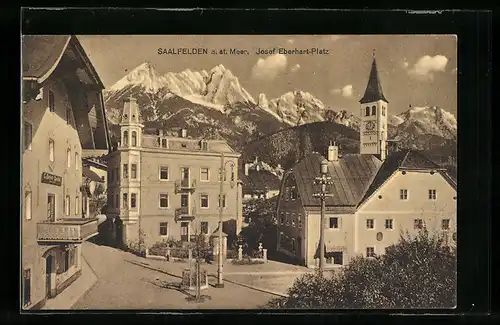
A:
{"points": [[147, 251], [265, 254], [79, 252], [240, 253]]}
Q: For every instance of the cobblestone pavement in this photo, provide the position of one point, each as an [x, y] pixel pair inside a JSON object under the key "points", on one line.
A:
{"points": [[122, 284]]}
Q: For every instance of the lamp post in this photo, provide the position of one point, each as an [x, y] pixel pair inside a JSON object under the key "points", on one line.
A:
{"points": [[220, 266], [323, 180]]}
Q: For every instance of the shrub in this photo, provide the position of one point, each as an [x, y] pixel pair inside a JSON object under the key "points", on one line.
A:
{"points": [[136, 248], [231, 253], [418, 272], [246, 261]]}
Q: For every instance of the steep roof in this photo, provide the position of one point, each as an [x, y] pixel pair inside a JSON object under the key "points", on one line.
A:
{"points": [[259, 180], [350, 175], [401, 160], [373, 90]]}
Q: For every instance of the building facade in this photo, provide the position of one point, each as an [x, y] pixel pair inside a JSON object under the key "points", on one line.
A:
{"points": [[375, 197], [258, 181], [60, 88], [163, 187]]}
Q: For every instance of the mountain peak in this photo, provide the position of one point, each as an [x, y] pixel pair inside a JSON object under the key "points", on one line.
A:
{"points": [[144, 75]]}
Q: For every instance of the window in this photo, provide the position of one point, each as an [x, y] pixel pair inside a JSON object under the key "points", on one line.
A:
{"points": [[287, 193], [204, 200], [103, 178], [418, 224], [403, 194], [299, 221], [77, 205], [293, 193], [117, 201], [51, 101], [68, 158], [133, 200], [370, 252], [51, 150], [26, 287], [27, 205], [77, 161], [287, 218], [125, 170], [232, 174], [282, 218], [204, 227], [133, 171], [383, 111], [51, 207], [134, 139], [164, 173], [432, 194], [204, 174], [223, 201], [204, 145], [67, 205], [293, 220], [374, 110], [370, 223], [334, 258], [388, 223], [445, 224], [367, 111], [163, 200], [163, 143], [125, 138], [334, 223], [125, 200], [163, 228], [27, 135]]}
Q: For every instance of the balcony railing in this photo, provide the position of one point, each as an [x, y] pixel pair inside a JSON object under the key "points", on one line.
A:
{"points": [[185, 185], [74, 230], [183, 213]]}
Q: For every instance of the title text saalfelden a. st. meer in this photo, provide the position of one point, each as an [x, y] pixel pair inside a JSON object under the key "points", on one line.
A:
{"points": [[235, 51]]}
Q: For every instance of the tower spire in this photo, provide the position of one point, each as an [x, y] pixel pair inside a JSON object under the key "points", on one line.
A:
{"points": [[373, 90]]}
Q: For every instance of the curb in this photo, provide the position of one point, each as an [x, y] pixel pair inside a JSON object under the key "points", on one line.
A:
{"points": [[257, 289]]}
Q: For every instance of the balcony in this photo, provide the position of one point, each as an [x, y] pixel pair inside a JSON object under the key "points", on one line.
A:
{"points": [[71, 230], [185, 185], [182, 214]]}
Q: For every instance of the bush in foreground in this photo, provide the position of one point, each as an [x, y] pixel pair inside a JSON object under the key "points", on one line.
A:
{"points": [[417, 272]]}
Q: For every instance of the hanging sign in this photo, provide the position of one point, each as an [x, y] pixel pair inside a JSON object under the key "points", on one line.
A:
{"points": [[51, 179]]}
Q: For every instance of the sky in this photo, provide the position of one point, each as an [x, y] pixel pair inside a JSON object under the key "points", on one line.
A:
{"points": [[416, 70]]}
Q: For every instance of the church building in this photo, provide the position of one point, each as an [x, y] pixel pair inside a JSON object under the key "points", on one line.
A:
{"points": [[375, 196]]}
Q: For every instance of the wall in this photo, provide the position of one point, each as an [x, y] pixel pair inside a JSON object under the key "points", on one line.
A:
{"points": [[403, 213], [370, 140], [35, 161]]}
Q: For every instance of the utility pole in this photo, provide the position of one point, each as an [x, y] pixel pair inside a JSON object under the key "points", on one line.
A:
{"points": [[323, 180]]}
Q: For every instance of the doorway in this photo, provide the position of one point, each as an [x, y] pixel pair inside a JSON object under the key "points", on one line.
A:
{"points": [[48, 275], [184, 231]]}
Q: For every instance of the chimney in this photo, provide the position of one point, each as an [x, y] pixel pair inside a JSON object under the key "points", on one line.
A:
{"points": [[333, 152], [246, 168]]}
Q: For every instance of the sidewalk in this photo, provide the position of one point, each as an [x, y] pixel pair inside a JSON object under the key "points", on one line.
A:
{"points": [[66, 299]]}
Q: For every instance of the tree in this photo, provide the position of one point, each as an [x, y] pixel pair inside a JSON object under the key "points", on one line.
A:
{"points": [[261, 217], [416, 272]]}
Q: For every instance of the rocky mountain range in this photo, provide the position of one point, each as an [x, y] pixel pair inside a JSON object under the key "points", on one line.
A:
{"points": [[213, 104]]}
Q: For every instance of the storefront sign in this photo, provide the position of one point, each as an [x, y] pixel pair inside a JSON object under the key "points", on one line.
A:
{"points": [[51, 179]]}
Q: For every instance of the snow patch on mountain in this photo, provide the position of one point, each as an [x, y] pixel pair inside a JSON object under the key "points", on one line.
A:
{"points": [[431, 120], [144, 75]]}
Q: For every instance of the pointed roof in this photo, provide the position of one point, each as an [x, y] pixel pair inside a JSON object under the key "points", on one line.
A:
{"points": [[373, 90]]}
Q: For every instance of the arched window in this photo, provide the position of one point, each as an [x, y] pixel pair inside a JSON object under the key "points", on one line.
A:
{"points": [[374, 110], [134, 139], [383, 111], [125, 138], [367, 111], [68, 159]]}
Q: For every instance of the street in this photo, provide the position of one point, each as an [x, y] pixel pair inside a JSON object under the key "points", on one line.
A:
{"points": [[124, 284]]}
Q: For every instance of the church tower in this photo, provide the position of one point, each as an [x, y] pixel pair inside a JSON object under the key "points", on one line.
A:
{"points": [[373, 128]]}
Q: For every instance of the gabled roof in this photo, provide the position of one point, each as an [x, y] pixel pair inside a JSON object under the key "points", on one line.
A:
{"points": [[350, 175], [373, 90], [42, 53], [259, 181], [400, 160]]}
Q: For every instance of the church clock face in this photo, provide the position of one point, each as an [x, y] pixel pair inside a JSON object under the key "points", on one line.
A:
{"points": [[370, 125]]}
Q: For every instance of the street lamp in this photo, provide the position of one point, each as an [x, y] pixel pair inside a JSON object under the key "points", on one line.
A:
{"points": [[323, 180], [220, 266]]}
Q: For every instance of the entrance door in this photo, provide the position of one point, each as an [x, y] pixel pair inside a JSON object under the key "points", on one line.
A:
{"points": [[184, 231], [48, 275], [27, 287], [51, 207]]}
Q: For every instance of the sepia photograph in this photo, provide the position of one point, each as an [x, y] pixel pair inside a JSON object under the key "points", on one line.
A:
{"points": [[264, 172]]}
